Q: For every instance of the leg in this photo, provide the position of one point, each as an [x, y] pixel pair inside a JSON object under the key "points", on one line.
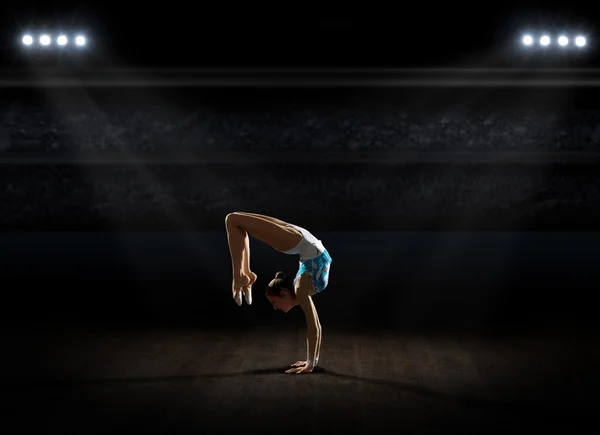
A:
{"points": [[235, 238], [271, 231], [247, 290], [265, 217], [246, 256]]}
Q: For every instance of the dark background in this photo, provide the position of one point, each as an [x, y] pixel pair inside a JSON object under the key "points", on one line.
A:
{"points": [[477, 282], [113, 247], [458, 245], [416, 34], [480, 279]]}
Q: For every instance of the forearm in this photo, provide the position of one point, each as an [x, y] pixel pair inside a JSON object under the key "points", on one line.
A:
{"points": [[319, 345], [313, 344]]}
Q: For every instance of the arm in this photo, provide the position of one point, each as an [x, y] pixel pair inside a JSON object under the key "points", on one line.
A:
{"points": [[313, 325]]}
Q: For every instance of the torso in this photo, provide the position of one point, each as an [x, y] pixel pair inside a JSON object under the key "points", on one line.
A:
{"points": [[308, 245]]}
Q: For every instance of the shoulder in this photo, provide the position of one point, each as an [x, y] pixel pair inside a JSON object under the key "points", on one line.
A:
{"points": [[304, 287]]}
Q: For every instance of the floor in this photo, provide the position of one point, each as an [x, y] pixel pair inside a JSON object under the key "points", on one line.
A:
{"points": [[189, 380]]}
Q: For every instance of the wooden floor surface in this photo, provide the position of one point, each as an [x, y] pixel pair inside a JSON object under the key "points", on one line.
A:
{"points": [[379, 381]]}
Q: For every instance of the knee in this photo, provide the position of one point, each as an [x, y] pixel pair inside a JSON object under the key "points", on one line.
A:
{"points": [[230, 219]]}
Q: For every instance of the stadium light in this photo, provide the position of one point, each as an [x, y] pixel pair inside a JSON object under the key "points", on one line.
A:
{"points": [[546, 40], [45, 40], [60, 40]]}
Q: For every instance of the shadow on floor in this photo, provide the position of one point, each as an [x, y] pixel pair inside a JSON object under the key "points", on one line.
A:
{"points": [[421, 391]]}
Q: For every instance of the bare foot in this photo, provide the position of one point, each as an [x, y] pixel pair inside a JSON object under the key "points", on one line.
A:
{"points": [[247, 289]]}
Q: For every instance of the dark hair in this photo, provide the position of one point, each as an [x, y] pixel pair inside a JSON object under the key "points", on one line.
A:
{"points": [[278, 284]]}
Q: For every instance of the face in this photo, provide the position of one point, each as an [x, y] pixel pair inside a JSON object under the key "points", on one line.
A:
{"points": [[284, 303]]}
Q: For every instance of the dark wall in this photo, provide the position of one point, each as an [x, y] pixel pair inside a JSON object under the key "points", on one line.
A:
{"points": [[419, 279], [424, 280], [351, 120], [323, 196]]}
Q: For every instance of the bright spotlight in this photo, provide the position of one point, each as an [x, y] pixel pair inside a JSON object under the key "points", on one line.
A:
{"points": [[27, 39], [80, 40], [527, 40], [563, 40], [580, 41], [45, 40], [61, 40], [545, 40]]}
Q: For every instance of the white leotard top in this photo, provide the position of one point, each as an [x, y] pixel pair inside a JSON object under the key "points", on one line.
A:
{"points": [[308, 248]]}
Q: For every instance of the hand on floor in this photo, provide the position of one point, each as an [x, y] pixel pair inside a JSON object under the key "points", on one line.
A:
{"points": [[300, 367]]}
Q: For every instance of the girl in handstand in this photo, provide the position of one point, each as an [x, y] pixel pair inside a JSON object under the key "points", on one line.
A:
{"points": [[312, 276]]}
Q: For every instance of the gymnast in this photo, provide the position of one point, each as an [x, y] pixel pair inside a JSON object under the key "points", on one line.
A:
{"points": [[312, 276]]}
